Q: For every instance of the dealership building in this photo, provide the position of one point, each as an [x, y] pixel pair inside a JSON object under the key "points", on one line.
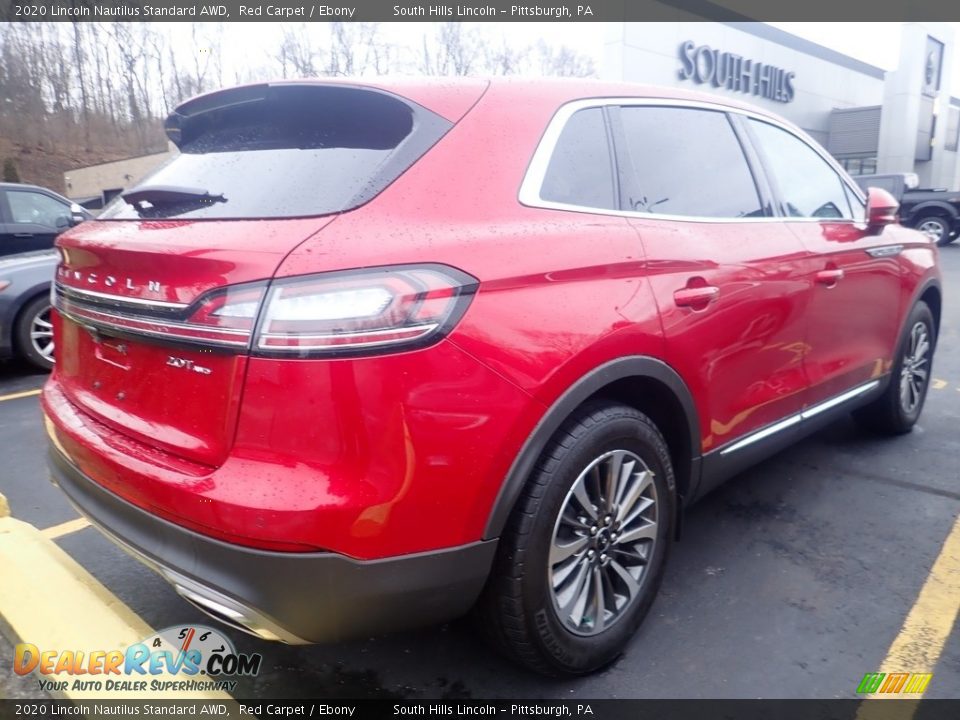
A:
{"points": [[871, 120]]}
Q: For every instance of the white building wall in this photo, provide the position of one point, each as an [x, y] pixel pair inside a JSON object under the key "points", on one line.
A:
{"points": [[649, 53], [901, 117], [92, 180], [824, 80]]}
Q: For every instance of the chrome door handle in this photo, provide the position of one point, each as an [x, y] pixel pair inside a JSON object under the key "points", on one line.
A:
{"points": [[696, 297], [830, 277]]}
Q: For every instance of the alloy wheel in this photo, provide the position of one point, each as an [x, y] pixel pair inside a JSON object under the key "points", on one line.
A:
{"points": [[933, 229], [41, 334], [603, 541], [915, 370]]}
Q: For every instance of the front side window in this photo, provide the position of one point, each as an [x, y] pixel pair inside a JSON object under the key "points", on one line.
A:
{"points": [[580, 170], [33, 208], [808, 186], [858, 207], [689, 162]]}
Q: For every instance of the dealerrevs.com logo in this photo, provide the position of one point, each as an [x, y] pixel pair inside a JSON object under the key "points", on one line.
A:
{"points": [[181, 658]]}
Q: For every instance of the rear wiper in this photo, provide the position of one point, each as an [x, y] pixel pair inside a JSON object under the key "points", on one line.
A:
{"points": [[169, 195]]}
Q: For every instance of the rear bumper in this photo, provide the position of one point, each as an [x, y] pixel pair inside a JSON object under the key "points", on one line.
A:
{"points": [[293, 597]]}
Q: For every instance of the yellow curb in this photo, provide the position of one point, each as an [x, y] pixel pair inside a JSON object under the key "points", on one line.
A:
{"points": [[17, 396], [49, 600]]}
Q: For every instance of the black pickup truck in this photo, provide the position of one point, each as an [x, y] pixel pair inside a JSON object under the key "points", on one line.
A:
{"points": [[934, 212]]}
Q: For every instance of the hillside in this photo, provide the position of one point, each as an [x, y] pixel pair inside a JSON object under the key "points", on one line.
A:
{"points": [[44, 164]]}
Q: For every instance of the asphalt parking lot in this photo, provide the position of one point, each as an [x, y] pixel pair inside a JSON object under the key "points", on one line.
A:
{"points": [[792, 581]]}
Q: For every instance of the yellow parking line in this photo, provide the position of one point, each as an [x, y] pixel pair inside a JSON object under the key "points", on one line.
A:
{"points": [[938, 384], [17, 396], [918, 646], [70, 526]]}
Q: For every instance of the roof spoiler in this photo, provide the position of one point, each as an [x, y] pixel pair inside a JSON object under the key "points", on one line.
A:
{"points": [[189, 120]]}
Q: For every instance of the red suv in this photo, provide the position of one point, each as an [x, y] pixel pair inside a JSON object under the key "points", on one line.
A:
{"points": [[363, 357]]}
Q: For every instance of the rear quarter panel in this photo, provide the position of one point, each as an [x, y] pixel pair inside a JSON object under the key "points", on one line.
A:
{"points": [[560, 292]]}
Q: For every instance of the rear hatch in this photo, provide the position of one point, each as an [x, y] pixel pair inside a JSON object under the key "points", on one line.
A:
{"points": [[158, 298]]}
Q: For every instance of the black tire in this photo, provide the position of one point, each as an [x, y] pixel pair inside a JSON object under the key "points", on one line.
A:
{"points": [[36, 310], [518, 610], [898, 409], [936, 227]]}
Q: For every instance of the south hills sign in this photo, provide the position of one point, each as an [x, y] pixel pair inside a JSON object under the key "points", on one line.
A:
{"points": [[706, 65]]}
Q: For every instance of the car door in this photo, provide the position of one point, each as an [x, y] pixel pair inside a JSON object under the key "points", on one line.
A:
{"points": [[728, 277], [35, 220], [854, 311], [5, 231]]}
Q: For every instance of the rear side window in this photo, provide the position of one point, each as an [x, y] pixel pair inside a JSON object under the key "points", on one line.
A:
{"points": [[687, 162], [288, 151], [580, 170], [807, 185]]}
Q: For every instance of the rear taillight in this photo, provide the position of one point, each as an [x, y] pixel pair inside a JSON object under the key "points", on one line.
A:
{"points": [[223, 318], [231, 311], [362, 311], [340, 313]]}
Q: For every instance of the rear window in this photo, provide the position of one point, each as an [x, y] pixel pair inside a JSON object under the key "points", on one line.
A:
{"points": [[287, 151]]}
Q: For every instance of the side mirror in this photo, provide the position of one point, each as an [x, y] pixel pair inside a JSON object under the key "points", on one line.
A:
{"points": [[881, 210], [63, 222], [77, 215]]}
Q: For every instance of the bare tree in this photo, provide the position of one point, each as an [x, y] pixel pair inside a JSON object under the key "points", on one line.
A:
{"points": [[297, 55], [454, 51], [97, 91], [79, 58], [564, 62], [355, 48], [504, 59]]}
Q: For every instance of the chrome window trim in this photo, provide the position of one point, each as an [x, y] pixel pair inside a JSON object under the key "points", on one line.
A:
{"points": [[792, 420], [529, 194], [68, 290]]}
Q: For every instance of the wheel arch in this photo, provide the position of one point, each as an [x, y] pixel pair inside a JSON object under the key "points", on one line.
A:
{"points": [[26, 297], [646, 383], [930, 294], [932, 208]]}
